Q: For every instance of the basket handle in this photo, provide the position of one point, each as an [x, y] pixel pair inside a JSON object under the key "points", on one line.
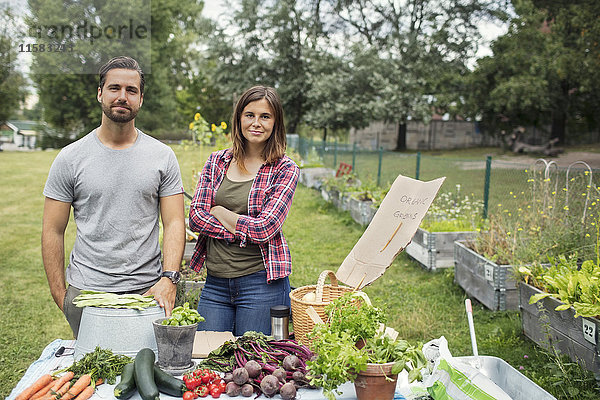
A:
{"points": [[321, 282]]}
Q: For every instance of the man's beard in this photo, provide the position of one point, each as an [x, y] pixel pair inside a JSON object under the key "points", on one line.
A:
{"points": [[119, 117]]}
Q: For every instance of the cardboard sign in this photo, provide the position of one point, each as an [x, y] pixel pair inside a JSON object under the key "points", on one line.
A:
{"points": [[390, 231], [207, 341]]}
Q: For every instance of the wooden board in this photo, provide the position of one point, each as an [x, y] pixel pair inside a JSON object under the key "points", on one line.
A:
{"points": [[207, 341]]}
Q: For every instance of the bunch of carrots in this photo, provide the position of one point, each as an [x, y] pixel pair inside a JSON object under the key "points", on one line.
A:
{"points": [[47, 387]]}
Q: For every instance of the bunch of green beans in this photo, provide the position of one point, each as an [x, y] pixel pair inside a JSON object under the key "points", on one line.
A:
{"points": [[90, 298]]}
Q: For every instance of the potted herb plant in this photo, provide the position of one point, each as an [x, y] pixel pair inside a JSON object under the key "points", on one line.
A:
{"points": [[175, 338], [349, 347]]}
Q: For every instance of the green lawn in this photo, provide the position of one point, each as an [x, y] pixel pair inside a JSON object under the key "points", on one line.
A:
{"points": [[421, 305]]}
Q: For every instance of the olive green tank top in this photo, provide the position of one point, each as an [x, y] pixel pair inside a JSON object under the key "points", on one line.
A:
{"points": [[229, 260]]}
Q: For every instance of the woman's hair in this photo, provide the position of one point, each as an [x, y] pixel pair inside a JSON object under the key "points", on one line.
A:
{"points": [[276, 144]]}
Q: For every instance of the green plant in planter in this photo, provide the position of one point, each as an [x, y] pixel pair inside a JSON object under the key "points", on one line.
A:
{"points": [[353, 313], [576, 286], [452, 212], [369, 191], [550, 218], [339, 360], [343, 183]]}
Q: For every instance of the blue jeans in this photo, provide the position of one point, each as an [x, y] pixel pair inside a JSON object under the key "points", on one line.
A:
{"points": [[241, 304]]}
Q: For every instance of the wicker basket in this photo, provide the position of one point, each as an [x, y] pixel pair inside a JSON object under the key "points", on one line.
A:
{"points": [[303, 324]]}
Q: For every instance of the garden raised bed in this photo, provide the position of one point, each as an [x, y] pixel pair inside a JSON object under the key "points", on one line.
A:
{"points": [[188, 251], [491, 284], [361, 211], [575, 337], [313, 177], [435, 250]]}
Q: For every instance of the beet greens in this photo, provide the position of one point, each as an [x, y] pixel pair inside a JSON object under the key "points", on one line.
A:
{"points": [[268, 353]]}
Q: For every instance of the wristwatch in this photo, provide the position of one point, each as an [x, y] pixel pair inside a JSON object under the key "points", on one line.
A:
{"points": [[174, 276]]}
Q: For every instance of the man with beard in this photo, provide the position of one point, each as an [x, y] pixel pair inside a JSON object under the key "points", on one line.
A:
{"points": [[118, 181]]}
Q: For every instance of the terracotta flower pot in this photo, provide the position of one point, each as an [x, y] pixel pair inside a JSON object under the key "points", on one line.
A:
{"points": [[376, 383]]}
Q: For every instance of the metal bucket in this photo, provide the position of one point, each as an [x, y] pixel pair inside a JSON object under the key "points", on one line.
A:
{"points": [[122, 330], [514, 383]]}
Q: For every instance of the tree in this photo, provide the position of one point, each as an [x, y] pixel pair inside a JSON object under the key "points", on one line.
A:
{"points": [[415, 50], [67, 80], [544, 71], [333, 97], [12, 83], [265, 43]]}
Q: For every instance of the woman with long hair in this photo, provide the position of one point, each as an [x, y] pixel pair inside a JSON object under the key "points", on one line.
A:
{"points": [[241, 202]]}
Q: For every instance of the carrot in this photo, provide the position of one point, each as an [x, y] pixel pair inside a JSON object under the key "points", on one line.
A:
{"points": [[57, 385], [63, 389], [99, 381], [86, 393], [42, 391], [82, 383], [42, 381]]}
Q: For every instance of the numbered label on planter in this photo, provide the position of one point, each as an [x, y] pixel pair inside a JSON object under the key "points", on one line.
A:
{"points": [[489, 272], [589, 330]]}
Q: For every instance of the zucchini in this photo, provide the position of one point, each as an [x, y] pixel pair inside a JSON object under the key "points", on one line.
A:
{"points": [[168, 384], [126, 388], [144, 374]]}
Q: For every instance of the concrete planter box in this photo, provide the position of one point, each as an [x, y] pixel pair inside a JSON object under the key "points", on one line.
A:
{"points": [[340, 200], [313, 177], [575, 337], [361, 211], [435, 250], [491, 284], [188, 251]]}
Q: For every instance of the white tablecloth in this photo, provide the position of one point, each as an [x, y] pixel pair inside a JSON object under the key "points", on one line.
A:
{"points": [[48, 363]]}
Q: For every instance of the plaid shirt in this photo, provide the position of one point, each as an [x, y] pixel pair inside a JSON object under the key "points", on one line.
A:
{"points": [[269, 202]]}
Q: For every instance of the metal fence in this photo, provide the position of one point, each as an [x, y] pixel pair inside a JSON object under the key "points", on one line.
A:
{"points": [[493, 181]]}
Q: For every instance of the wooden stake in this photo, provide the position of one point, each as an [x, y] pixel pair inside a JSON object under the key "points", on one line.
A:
{"points": [[393, 234]]}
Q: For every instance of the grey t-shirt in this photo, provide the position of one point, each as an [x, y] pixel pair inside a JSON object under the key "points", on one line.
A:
{"points": [[115, 198]]}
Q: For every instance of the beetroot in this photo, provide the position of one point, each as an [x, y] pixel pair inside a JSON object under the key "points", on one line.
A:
{"points": [[228, 377], [280, 374], [253, 368], [232, 389], [291, 362], [247, 390], [240, 376], [288, 391], [298, 376], [269, 385]]}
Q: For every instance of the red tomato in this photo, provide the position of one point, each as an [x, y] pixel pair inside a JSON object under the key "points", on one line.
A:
{"points": [[216, 393], [205, 377], [197, 373], [222, 385], [213, 375], [202, 391], [189, 395], [189, 384], [212, 386]]}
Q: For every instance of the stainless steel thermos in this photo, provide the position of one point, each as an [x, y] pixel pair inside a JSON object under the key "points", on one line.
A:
{"points": [[280, 319]]}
